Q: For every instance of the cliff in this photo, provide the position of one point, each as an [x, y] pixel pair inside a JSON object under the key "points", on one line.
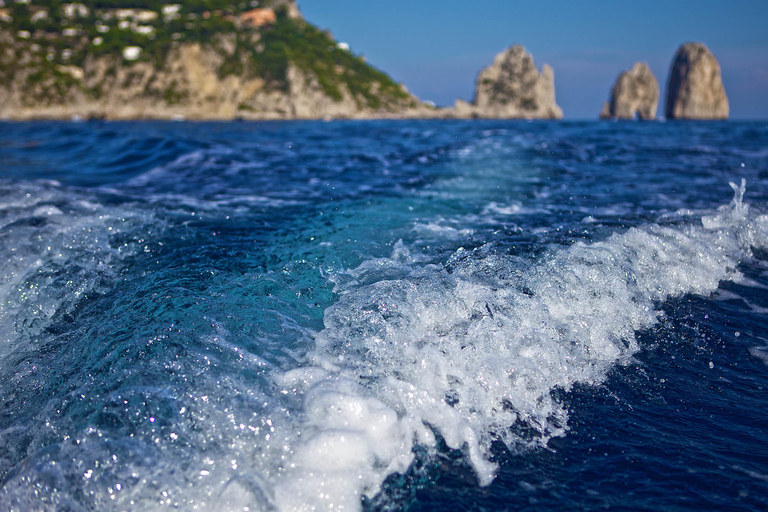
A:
{"points": [[635, 94], [695, 89], [203, 59], [512, 87]]}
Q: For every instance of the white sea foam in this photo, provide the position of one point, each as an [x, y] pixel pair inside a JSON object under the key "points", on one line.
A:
{"points": [[439, 229], [516, 208], [58, 247], [761, 353], [471, 349]]}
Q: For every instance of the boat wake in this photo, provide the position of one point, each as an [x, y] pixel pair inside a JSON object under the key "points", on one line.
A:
{"points": [[473, 351]]}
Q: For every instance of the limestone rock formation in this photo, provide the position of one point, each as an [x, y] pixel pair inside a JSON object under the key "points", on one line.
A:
{"points": [[218, 67], [635, 94], [190, 86], [512, 87], [695, 89]]}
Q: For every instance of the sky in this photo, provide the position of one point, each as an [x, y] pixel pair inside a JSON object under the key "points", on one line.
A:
{"points": [[437, 47]]}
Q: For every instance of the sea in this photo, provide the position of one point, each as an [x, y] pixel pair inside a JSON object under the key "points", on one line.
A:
{"points": [[422, 315]]}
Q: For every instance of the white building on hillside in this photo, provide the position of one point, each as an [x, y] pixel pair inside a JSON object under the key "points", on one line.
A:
{"points": [[74, 11], [140, 15], [131, 52], [38, 16], [171, 9]]}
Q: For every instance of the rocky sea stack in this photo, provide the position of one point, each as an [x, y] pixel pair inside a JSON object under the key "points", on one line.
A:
{"points": [[203, 59], [512, 87], [634, 95], [695, 89]]}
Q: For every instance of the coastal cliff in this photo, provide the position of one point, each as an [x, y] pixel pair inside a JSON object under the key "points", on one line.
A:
{"points": [[205, 59]]}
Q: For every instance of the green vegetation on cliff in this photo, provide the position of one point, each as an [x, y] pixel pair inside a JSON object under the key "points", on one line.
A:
{"points": [[51, 43], [311, 49]]}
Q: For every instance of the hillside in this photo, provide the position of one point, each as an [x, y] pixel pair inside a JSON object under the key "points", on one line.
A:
{"points": [[203, 59]]}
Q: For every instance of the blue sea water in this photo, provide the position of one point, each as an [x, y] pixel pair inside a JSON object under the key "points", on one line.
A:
{"points": [[399, 315]]}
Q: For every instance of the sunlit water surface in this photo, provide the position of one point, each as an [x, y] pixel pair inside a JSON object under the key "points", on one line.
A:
{"points": [[383, 316]]}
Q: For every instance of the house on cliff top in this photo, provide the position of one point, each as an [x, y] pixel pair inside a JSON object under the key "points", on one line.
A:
{"points": [[257, 17]]}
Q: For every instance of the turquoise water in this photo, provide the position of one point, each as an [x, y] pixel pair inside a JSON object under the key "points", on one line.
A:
{"points": [[420, 315]]}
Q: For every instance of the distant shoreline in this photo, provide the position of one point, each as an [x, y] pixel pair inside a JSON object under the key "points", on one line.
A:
{"points": [[375, 119]]}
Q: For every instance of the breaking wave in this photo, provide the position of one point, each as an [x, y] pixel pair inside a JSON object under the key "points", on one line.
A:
{"points": [[474, 351]]}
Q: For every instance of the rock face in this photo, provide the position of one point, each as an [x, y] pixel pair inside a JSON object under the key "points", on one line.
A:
{"points": [[512, 87], [189, 85], [635, 94], [695, 89], [219, 68]]}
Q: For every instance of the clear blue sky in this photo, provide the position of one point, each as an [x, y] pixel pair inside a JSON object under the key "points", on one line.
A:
{"points": [[437, 47]]}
